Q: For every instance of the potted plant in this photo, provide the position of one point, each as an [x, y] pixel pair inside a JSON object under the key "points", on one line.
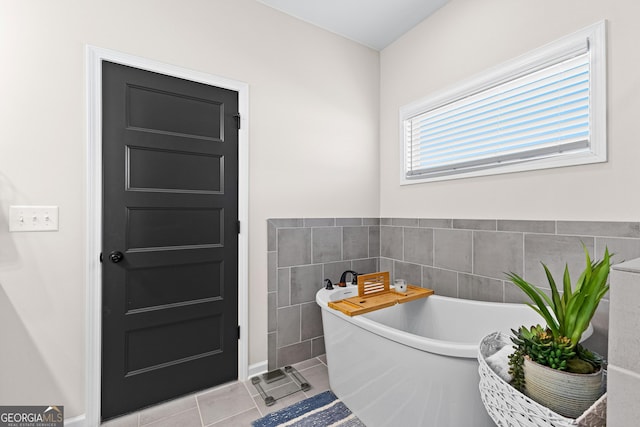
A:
{"points": [[549, 363]]}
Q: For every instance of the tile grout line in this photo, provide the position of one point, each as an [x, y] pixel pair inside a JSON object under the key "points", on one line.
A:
{"points": [[170, 416], [255, 406], [246, 386], [219, 422], [199, 411]]}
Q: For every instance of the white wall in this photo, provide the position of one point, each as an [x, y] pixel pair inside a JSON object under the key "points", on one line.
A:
{"points": [[313, 152], [466, 37]]}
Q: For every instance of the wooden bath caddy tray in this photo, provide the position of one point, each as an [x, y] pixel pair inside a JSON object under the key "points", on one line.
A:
{"points": [[375, 293]]}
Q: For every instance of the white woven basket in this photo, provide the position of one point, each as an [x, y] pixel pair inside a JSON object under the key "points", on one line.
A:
{"points": [[510, 408]]}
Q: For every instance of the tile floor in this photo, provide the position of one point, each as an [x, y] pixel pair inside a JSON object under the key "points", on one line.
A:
{"points": [[233, 404]]}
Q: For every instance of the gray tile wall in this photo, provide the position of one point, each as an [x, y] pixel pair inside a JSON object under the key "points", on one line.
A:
{"points": [[301, 254], [462, 258], [623, 381], [469, 258]]}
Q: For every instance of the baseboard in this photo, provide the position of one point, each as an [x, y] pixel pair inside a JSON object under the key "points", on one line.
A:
{"points": [[258, 368], [79, 421]]}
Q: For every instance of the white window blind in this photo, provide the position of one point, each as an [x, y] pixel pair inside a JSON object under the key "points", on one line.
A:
{"points": [[539, 110]]}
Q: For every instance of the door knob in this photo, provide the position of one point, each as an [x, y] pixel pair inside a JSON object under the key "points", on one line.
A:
{"points": [[116, 256]]}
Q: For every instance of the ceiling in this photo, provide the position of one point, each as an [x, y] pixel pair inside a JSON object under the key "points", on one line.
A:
{"points": [[373, 23]]}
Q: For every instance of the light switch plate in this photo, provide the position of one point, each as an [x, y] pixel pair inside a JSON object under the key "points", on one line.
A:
{"points": [[33, 218]]}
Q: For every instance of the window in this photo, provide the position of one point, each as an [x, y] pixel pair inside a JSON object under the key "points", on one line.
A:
{"points": [[544, 109]]}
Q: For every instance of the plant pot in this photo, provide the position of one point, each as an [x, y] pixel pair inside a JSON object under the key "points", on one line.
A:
{"points": [[565, 393]]}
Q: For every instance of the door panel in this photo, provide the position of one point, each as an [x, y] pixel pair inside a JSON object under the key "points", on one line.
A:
{"points": [[203, 172], [173, 227], [170, 196], [161, 111], [152, 286], [147, 347]]}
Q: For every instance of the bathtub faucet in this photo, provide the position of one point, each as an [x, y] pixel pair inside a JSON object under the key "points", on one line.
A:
{"points": [[343, 278]]}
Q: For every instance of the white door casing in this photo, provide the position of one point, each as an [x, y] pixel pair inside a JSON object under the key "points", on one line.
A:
{"points": [[94, 58]]}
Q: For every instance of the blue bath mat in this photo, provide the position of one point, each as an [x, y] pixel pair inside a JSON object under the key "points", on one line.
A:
{"points": [[320, 410]]}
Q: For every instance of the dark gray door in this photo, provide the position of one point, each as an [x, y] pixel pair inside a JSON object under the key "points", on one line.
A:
{"points": [[170, 242]]}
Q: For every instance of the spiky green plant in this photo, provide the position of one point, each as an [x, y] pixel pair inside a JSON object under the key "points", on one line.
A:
{"points": [[568, 315]]}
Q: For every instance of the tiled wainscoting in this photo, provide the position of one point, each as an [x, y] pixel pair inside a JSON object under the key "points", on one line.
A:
{"points": [[455, 257], [302, 253], [624, 365]]}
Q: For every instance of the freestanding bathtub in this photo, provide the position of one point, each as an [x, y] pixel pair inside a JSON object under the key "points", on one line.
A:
{"points": [[414, 364]]}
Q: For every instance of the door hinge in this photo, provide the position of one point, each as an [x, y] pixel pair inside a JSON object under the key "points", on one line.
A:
{"points": [[237, 118], [100, 257], [238, 226], [238, 331]]}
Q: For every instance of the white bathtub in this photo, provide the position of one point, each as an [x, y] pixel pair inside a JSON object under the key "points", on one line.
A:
{"points": [[414, 364]]}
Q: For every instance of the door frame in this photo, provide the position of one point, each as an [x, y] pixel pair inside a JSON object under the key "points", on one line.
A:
{"points": [[93, 332]]}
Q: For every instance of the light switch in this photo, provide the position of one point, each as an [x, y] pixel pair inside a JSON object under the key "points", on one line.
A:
{"points": [[33, 218]]}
